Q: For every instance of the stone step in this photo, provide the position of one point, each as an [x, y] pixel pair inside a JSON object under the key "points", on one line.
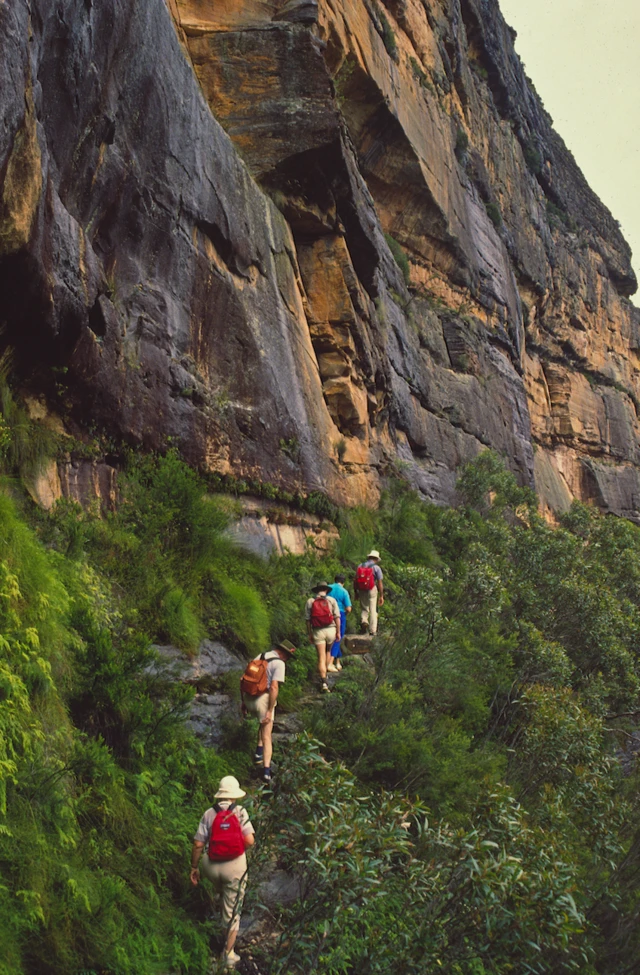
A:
{"points": [[357, 643]]}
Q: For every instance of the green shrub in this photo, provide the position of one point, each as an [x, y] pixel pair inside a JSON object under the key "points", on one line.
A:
{"points": [[380, 882], [399, 256], [179, 621], [533, 158], [493, 212], [557, 217], [248, 617], [462, 145], [76, 797], [388, 36], [420, 76], [26, 445]]}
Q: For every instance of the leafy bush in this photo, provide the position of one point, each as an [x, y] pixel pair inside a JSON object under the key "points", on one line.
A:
{"points": [[76, 798], [379, 882], [462, 145], [493, 212], [388, 36], [533, 158], [399, 257]]}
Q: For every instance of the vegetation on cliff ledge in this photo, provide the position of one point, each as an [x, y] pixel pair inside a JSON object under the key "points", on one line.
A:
{"points": [[468, 811]]}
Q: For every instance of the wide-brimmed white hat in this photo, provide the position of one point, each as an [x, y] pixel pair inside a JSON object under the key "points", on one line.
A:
{"points": [[229, 788], [374, 554]]}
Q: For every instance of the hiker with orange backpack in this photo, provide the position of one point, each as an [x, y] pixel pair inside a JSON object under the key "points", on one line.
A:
{"points": [[370, 589], [226, 832], [322, 614], [259, 686]]}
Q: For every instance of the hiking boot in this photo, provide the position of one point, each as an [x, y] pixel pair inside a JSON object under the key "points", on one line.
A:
{"points": [[338, 665], [364, 628], [230, 958], [324, 687], [258, 758], [266, 776], [332, 669]]}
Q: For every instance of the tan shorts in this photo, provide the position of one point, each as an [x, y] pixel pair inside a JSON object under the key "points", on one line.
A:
{"points": [[229, 879], [326, 634], [258, 705]]}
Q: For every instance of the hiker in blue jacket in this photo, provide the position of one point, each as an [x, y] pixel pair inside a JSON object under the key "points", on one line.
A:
{"points": [[343, 600]]}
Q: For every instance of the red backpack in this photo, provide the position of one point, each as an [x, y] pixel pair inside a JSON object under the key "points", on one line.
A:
{"points": [[225, 841], [365, 578], [321, 614]]}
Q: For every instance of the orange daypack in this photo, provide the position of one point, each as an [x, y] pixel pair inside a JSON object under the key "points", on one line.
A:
{"points": [[254, 680]]}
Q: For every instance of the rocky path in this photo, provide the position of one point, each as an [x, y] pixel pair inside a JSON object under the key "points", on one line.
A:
{"points": [[210, 671]]}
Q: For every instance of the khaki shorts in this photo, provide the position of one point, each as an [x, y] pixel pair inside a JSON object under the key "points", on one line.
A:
{"points": [[258, 705], [229, 879], [326, 634]]}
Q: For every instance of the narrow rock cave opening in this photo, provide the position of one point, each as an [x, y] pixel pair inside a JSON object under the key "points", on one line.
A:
{"points": [[25, 309]]}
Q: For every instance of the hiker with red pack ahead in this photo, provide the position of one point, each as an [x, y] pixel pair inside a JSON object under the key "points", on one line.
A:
{"points": [[370, 589], [322, 614], [225, 831], [259, 686]]}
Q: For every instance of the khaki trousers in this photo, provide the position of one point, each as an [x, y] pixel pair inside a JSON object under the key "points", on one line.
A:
{"points": [[229, 880], [369, 608]]}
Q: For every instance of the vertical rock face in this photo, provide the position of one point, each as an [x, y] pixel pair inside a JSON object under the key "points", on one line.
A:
{"points": [[307, 240]]}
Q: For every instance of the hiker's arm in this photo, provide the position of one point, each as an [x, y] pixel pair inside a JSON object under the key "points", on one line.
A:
{"points": [[347, 609], [196, 853], [273, 697], [380, 586], [249, 839]]}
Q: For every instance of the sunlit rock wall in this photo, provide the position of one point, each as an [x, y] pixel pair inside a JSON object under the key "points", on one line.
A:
{"points": [[195, 198]]}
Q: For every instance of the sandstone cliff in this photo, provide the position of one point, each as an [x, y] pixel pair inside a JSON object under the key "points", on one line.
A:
{"points": [[200, 205]]}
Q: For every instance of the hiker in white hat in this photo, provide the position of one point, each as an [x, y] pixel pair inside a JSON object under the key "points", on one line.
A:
{"points": [[369, 587], [226, 832]]}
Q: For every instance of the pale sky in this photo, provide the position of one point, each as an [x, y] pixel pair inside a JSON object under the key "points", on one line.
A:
{"points": [[584, 58]]}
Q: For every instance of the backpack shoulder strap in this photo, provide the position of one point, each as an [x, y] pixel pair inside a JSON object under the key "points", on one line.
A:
{"points": [[218, 808]]}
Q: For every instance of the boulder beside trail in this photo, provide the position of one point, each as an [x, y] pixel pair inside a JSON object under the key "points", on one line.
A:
{"points": [[206, 671], [357, 643]]}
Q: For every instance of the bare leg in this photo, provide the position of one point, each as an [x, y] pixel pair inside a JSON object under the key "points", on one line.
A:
{"points": [[322, 659], [267, 741], [231, 940]]}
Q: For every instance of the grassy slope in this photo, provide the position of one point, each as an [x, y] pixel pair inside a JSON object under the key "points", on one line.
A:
{"points": [[508, 647]]}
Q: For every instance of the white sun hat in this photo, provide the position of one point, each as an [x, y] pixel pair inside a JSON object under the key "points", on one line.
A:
{"points": [[229, 788], [374, 554]]}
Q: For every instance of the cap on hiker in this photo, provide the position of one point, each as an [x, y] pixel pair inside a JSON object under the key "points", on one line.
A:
{"points": [[229, 788], [320, 586], [374, 554], [286, 646]]}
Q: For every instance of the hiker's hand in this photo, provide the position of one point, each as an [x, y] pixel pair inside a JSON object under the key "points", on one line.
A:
{"points": [[243, 708], [195, 876], [381, 601], [267, 718]]}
